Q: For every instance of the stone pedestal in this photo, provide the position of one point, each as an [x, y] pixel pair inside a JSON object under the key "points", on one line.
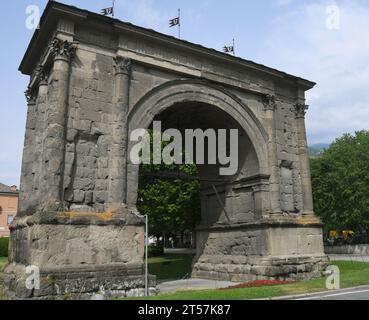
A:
{"points": [[273, 249], [76, 255]]}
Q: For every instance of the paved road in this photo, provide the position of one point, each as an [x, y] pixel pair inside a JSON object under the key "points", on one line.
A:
{"points": [[179, 251], [348, 257], [360, 293]]}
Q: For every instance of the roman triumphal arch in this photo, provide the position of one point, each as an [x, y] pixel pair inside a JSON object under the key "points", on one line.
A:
{"points": [[93, 81]]}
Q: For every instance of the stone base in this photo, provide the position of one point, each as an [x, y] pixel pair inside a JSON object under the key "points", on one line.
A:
{"points": [[100, 282], [85, 255], [77, 257], [229, 268], [279, 249]]}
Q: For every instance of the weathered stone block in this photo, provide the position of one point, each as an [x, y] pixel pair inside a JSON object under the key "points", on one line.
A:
{"points": [[78, 196]]}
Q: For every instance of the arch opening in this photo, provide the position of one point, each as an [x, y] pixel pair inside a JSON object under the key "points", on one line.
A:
{"points": [[223, 199], [185, 98]]}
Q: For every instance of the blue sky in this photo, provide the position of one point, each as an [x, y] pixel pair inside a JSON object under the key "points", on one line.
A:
{"points": [[305, 38]]}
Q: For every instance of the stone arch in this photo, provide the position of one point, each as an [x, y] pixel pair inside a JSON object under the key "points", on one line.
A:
{"points": [[83, 106], [165, 96]]}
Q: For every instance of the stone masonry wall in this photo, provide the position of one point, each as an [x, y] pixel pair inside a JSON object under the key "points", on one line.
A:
{"points": [[86, 161], [287, 145]]}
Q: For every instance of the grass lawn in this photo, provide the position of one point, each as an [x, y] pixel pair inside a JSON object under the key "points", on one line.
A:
{"points": [[3, 262], [352, 274], [171, 266]]}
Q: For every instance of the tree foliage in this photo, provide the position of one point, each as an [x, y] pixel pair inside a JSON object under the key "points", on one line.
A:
{"points": [[172, 204], [340, 179]]}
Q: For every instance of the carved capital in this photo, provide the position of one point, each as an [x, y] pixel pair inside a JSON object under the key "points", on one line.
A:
{"points": [[62, 49], [31, 96], [260, 188], [122, 65], [41, 74], [300, 110], [269, 102]]}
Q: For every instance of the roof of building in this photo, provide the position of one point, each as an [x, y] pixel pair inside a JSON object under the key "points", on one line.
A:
{"points": [[55, 9], [7, 189]]}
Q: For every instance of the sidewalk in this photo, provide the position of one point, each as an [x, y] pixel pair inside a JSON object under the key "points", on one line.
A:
{"points": [[193, 284], [179, 251], [348, 257]]}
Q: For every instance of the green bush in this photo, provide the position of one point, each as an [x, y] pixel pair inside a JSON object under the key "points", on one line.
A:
{"points": [[155, 251], [4, 244]]}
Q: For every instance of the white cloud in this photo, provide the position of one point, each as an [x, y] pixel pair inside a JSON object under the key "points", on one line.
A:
{"points": [[337, 60], [283, 2], [144, 13]]}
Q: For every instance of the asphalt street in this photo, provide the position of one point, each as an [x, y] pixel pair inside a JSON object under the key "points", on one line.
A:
{"points": [[361, 293]]}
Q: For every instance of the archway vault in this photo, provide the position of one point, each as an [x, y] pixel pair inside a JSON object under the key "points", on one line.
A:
{"points": [[186, 92], [166, 95]]}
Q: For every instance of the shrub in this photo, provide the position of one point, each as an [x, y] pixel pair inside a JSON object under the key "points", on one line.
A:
{"points": [[4, 244], [155, 251]]}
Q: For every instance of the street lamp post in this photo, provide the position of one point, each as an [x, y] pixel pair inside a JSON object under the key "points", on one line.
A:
{"points": [[146, 236], [146, 255]]}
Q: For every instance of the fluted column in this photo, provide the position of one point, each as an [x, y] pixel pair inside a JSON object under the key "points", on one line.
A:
{"points": [[54, 148], [40, 132], [119, 139], [27, 160], [300, 111], [270, 107]]}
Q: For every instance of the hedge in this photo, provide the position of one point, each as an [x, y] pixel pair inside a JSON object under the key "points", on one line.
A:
{"points": [[4, 244], [155, 251]]}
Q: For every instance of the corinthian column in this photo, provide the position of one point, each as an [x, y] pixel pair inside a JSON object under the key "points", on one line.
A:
{"points": [[300, 111], [118, 150], [270, 107], [28, 155], [54, 152]]}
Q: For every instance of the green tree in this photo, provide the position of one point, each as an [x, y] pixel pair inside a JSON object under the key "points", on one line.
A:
{"points": [[172, 203], [340, 179]]}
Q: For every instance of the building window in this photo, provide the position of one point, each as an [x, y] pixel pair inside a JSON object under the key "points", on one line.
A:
{"points": [[1, 210], [10, 218]]}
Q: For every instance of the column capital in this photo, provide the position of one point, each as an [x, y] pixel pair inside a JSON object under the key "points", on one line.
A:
{"points": [[122, 65], [300, 110], [264, 187], [269, 102], [41, 75], [31, 96], [62, 49]]}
